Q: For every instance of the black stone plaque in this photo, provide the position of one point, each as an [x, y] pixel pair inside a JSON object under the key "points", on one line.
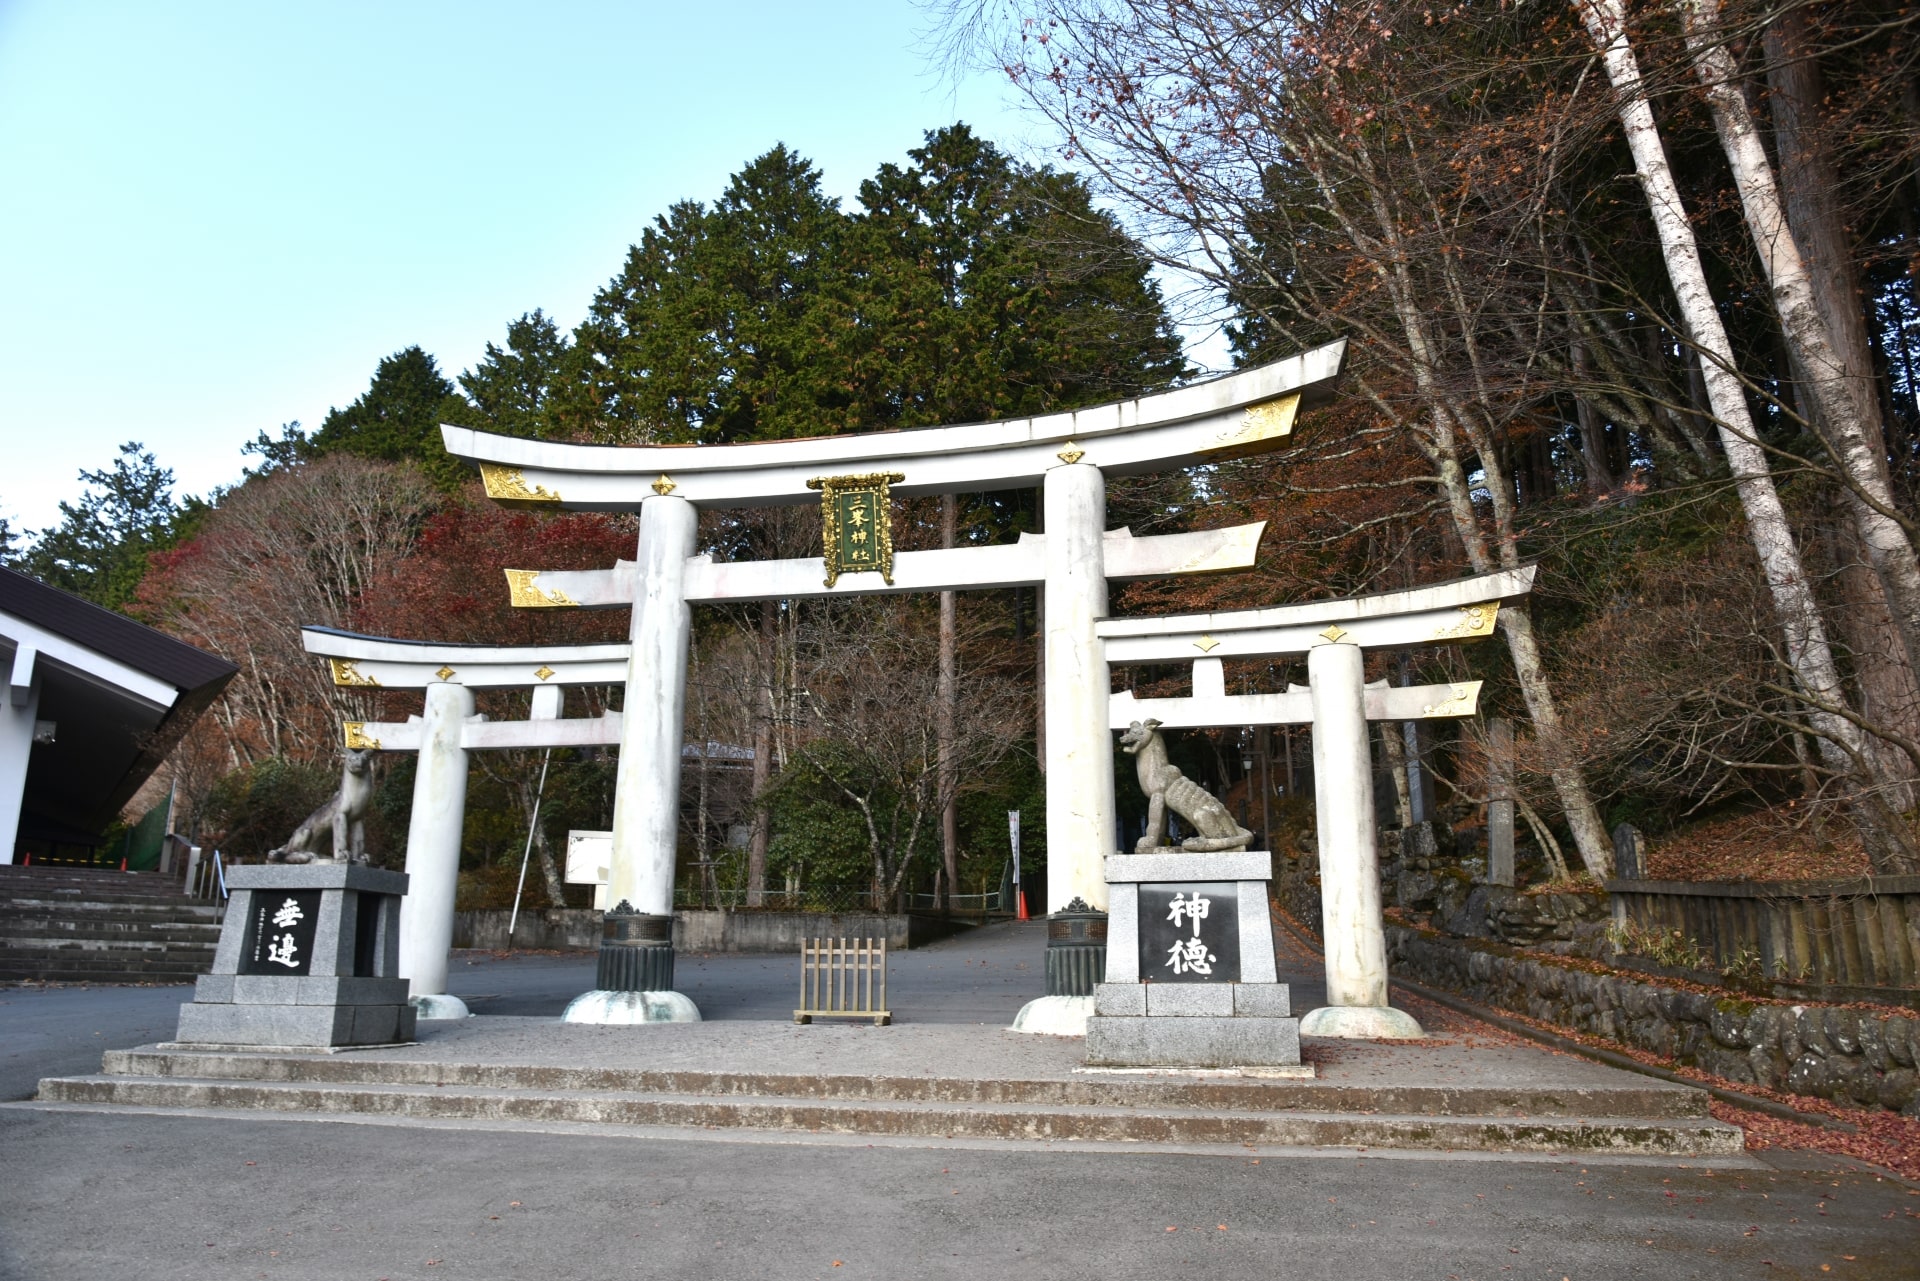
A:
{"points": [[1190, 933], [280, 933]]}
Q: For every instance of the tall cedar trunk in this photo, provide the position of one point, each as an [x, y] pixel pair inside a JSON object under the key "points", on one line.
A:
{"points": [[949, 695], [1889, 695], [1842, 745], [1845, 411], [1263, 736], [763, 755], [1810, 185], [1594, 458]]}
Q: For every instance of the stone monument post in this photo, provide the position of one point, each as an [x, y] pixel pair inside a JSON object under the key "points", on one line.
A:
{"points": [[308, 958], [1191, 979], [1500, 802]]}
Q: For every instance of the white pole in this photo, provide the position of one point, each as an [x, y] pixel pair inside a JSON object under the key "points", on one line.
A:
{"points": [[433, 840], [646, 797], [17, 713], [1013, 840], [1351, 921], [1080, 806], [513, 919]]}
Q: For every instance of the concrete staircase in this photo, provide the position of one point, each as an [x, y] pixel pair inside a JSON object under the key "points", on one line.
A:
{"points": [[1634, 1116], [78, 925]]}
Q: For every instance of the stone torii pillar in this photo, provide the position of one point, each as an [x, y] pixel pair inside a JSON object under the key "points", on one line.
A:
{"points": [[1338, 703], [444, 735], [1079, 754]]}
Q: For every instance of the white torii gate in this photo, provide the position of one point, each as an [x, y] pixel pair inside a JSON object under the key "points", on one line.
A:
{"points": [[1338, 703], [447, 730], [1068, 455]]}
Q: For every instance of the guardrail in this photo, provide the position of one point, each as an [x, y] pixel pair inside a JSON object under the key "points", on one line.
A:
{"points": [[967, 903], [1853, 939], [834, 898], [205, 877]]}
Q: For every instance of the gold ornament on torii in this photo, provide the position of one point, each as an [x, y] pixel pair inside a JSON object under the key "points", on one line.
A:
{"points": [[856, 524]]}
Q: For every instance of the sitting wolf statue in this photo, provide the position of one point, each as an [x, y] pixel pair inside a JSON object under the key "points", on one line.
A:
{"points": [[343, 818], [1166, 787]]}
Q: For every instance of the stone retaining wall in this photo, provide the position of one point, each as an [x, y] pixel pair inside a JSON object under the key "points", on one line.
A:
{"points": [[1847, 1055], [577, 929]]}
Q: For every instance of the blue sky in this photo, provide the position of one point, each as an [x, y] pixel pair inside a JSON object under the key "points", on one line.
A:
{"points": [[218, 217]]}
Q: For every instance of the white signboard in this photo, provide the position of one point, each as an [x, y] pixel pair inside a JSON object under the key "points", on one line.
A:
{"points": [[589, 862]]}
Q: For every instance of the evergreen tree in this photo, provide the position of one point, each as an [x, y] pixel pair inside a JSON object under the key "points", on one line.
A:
{"points": [[510, 389], [99, 549], [969, 287], [293, 447], [724, 323], [988, 289], [398, 417]]}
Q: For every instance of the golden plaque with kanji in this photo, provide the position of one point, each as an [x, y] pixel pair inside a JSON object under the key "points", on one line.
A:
{"points": [[856, 524]]}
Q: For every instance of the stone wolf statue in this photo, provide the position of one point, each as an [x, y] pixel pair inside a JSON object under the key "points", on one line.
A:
{"points": [[343, 818], [1166, 787]]}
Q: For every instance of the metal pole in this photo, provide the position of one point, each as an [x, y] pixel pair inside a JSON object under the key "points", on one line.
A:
{"points": [[538, 796], [1013, 837]]}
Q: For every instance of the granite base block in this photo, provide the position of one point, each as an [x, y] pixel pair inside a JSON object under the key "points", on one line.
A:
{"points": [[327, 989], [1193, 1000], [305, 1025], [1194, 1041]]}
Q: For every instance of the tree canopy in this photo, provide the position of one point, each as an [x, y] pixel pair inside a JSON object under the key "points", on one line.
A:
{"points": [[100, 548]]}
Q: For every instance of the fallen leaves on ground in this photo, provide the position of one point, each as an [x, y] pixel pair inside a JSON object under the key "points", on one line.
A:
{"points": [[1764, 845]]}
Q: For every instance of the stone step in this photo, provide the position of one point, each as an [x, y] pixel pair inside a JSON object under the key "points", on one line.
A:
{"points": [[98, 928], [13, 875], [129, 945], [131, 906], [75, 967], [1631, 1099], [104, 963], [1038, 1122]]}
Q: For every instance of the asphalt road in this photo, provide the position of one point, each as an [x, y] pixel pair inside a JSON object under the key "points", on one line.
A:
{"points": [[94, 1195], [62, 1030]]}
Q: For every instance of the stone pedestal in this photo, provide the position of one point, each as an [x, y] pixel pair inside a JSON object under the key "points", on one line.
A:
{"points": [[633, 981], [1191, 979], [1076, 950], [308, 958], [636, 952]]}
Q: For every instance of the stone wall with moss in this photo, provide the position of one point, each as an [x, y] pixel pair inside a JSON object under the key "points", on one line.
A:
{"points": [[1843, 1053]]}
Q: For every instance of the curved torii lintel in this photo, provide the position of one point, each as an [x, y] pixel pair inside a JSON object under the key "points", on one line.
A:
{"points": [[1441, 614], [383, 662], [1242, 413]]}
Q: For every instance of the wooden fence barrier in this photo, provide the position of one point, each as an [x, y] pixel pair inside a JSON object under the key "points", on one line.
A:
{"points": [[1853, 939], [843, 979]]}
